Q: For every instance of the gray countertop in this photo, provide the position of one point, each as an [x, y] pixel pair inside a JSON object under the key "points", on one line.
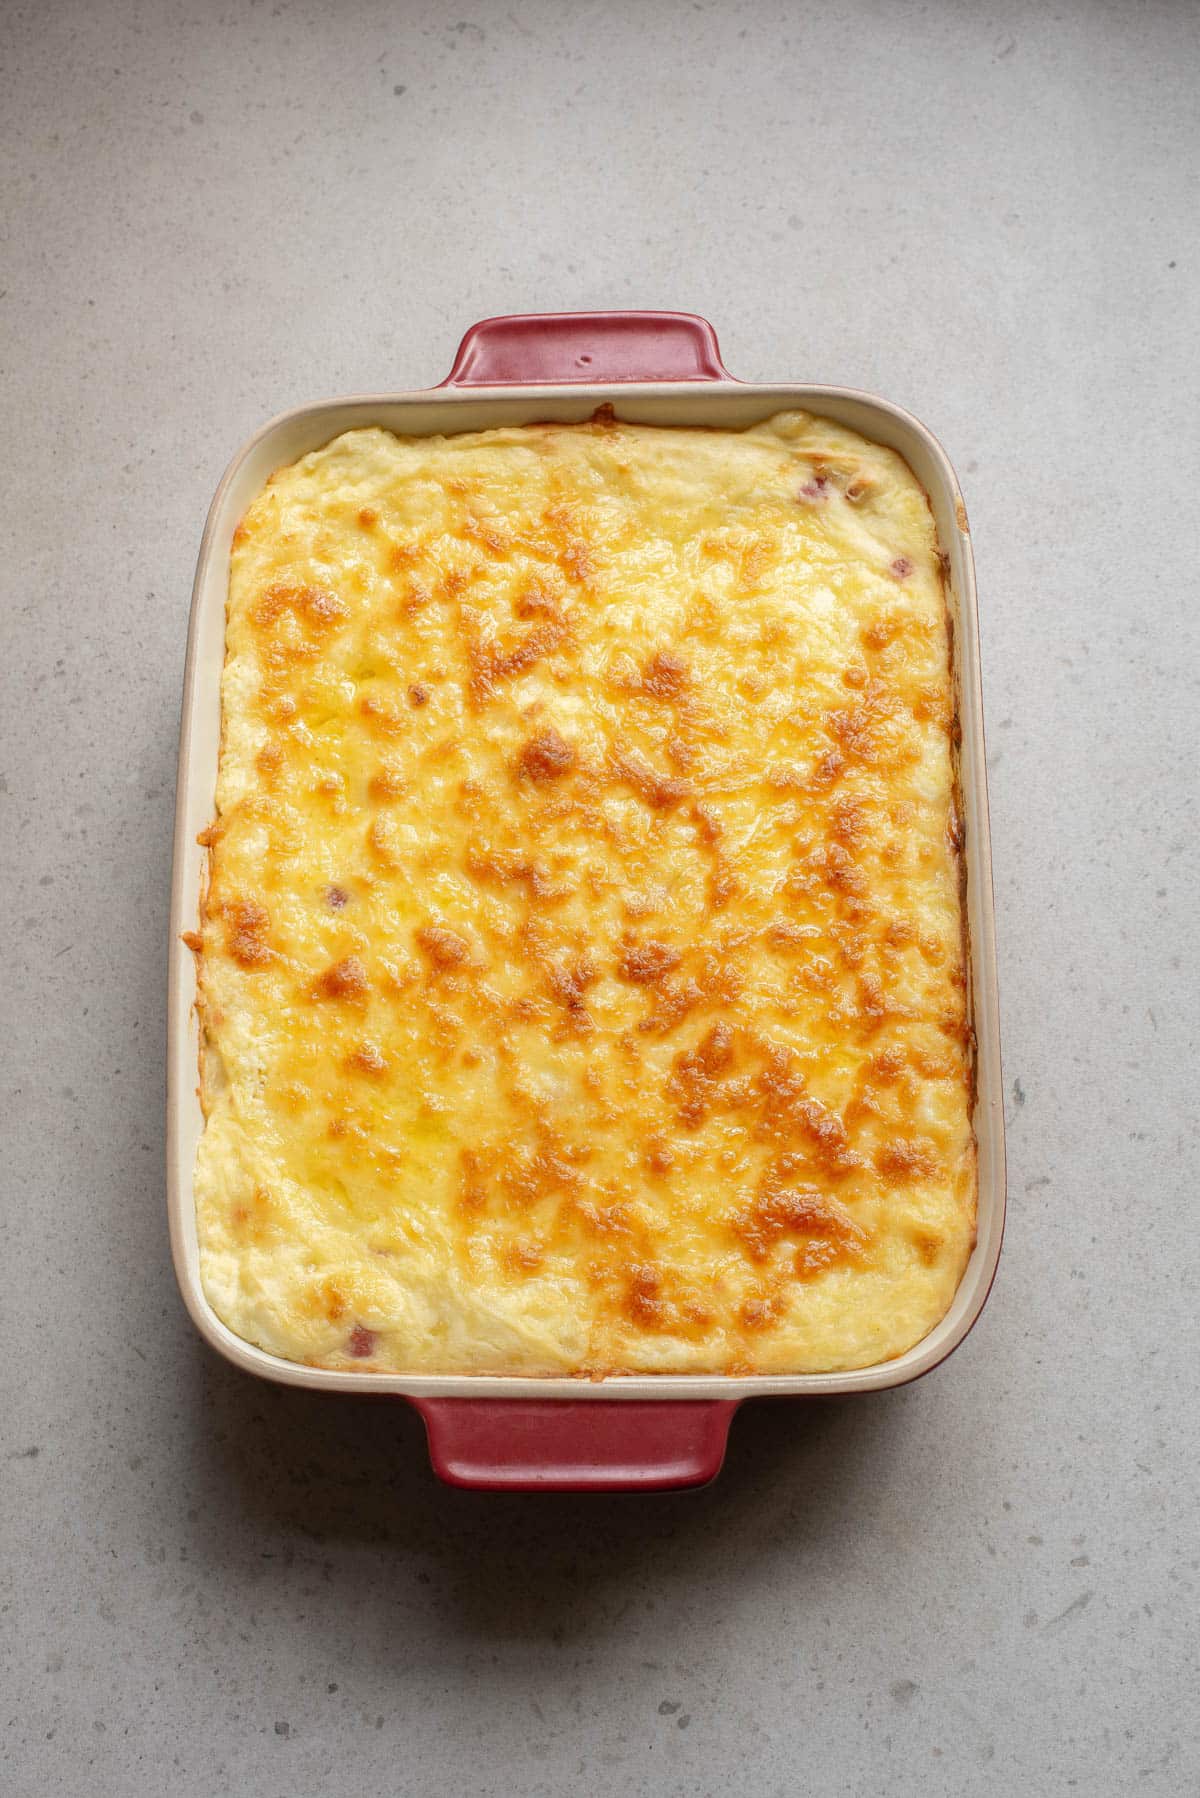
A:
{"points": [[985, 1583]]}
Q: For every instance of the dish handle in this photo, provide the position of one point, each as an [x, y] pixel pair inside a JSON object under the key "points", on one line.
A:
{"points": [[576, 1445], [533, 349]]}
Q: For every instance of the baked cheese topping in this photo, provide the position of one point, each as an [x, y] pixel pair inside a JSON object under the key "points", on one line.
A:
{"points": [[581, 971]]}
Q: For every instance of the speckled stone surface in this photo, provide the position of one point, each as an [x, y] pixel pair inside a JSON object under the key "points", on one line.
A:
{"points": [[983, 1584]]}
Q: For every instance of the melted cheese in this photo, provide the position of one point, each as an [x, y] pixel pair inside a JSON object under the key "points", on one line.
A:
{"points": [[581, 973]]}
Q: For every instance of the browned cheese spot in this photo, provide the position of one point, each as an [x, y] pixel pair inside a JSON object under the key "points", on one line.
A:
{"points": [[497, 867], [645, 963], [444, 948], [546, 756], [886, 1066], [659, 1157], [789, 1112], [841, 872], [387, 782], [644, 1302], [661, 792], [246, 926], [780, 1209], [547, 1171], [904, 1159], [696, 1076], [381, 718], [568, 983], [665, 675], [759, 1313], [345, 979], [473, 1185], [314, 606], [882, 632], [524, 1256], [492, 662], [829, 768], [255, 1219], [928, 1244]]}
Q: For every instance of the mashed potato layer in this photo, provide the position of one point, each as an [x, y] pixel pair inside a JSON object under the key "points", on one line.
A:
{"points": [[581, 972]]}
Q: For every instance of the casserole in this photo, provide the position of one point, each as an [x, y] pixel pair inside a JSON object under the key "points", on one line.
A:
{"points": [[663, 369]]}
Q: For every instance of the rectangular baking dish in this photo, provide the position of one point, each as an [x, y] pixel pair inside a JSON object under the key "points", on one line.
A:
{"points": [[663, 368]]}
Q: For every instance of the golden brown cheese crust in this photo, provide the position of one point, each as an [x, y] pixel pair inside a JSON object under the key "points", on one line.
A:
{"points": [[581, 975]]}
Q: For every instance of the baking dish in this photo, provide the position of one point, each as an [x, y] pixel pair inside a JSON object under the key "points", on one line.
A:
{"points": [[664, 368]]}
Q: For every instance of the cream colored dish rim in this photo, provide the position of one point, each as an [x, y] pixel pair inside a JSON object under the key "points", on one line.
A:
{"points": [[723, 404]]}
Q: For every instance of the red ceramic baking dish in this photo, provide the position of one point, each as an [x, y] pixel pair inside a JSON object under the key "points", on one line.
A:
{"points": [[664, 368]]}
